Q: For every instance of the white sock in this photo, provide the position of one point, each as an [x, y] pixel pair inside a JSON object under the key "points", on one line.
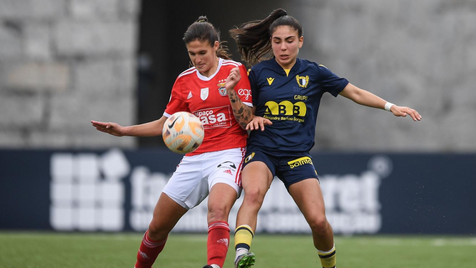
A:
{"points": [[240, 251], [215, 266]]}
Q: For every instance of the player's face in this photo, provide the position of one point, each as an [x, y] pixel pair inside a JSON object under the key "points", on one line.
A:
{"points": [[203, 56], [286, 43]]}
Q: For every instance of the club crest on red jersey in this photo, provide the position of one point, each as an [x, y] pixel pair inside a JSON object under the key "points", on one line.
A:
{"points": [[221, 87]]}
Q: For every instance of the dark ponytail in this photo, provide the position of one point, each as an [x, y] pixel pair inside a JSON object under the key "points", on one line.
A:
{"points": [[254, 38], [203, 30]]}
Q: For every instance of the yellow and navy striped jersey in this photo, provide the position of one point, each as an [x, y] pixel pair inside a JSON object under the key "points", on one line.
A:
{"points": [[290, 99]]}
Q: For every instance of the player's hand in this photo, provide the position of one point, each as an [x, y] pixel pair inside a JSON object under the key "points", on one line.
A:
{"points": [[404, 111], [109, 127], [258, 123], [233, 78]]}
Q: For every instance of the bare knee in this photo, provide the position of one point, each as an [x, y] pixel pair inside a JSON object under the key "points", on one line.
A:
{"points": [[254, 198], [217, 213], [319, 225], [156, 232]]}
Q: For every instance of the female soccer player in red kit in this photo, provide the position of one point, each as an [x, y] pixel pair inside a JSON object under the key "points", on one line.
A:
{"points": [[216, 90]]}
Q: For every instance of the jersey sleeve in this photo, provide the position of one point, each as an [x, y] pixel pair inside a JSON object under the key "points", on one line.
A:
{"points": [[243, 88], [253, 85], [177, 101], [330, 81]]}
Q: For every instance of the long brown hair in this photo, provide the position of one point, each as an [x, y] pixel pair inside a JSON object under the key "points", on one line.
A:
{"points": [[203, 30], [254, 38]]}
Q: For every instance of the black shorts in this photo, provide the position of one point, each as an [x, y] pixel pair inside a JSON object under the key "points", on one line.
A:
{"points": [[289, 168]]}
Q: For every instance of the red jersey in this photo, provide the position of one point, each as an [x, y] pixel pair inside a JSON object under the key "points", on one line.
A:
{"points": [[206, 97]]}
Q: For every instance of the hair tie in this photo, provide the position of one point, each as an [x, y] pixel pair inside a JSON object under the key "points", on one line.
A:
{"points": [[202, 19]]}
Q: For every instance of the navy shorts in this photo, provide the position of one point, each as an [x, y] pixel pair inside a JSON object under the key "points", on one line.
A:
{"points": [[289, 168]]}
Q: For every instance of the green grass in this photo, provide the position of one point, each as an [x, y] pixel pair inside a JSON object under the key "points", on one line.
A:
{"points": [[66, 250]]}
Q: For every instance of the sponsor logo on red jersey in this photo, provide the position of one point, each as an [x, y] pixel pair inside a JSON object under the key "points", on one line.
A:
{"points": [[215, 117]]}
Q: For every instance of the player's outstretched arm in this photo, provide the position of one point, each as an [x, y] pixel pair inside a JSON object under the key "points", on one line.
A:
{"points": [[364, 97], [241, 111], [150, 129]]}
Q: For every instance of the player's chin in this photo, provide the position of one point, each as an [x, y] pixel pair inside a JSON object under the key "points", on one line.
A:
{"points": [[284, 61]]}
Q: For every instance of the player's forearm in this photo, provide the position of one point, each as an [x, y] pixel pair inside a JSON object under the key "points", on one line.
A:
{"points": [[149, 129], [369, 99], [242, 112], [363, 97]]}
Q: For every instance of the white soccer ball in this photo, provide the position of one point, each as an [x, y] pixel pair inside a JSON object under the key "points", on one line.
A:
{"points": [[183, 132]]}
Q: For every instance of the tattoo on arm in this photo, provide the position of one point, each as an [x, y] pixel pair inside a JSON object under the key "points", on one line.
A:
{"points": [[242, 112]]}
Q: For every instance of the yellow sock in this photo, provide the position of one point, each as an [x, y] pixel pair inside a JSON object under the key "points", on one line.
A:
{"points": [[328, 258], [243, 237]]}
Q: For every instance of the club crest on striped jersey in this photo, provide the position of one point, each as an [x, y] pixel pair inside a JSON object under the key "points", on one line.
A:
{"points": [[204, 93], [221, 87], [302, 80]]}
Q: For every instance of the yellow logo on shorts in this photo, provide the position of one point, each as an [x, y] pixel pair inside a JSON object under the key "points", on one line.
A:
{"points": [[300, 162], [249, 157]]}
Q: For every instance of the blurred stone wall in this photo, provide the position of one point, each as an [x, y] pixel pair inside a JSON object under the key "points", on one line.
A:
{"points": [[420, 54], [63, 63]]}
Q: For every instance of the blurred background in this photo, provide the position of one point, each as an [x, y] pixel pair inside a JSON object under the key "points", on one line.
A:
{"points": [[63, 63], [66, 62]]}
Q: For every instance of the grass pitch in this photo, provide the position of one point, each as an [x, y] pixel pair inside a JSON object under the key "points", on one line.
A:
{"points": [[73, 250]]}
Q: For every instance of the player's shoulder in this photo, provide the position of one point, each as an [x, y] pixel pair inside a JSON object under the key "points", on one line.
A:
{"points": [[187, 72], [314, 67], [270, 63], [304, 63], [231, 63], [266, 64]]}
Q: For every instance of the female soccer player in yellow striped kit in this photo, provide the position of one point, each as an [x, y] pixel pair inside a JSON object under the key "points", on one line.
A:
{"points": [[287, 91]]}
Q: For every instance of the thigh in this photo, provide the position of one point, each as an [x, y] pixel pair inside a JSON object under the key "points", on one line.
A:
{"points": [[258, 171], [225, 168], [308, 197], [256, 177], [224, 177], [220, 201], [166, 215], [188, 185], [196, 175]]}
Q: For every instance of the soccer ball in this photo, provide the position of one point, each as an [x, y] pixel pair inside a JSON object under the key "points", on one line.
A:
{"points": [[183, 132]]}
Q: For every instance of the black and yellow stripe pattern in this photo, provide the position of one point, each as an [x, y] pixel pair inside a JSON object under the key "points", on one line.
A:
{"points": [[328, 258], [243, 237]]}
